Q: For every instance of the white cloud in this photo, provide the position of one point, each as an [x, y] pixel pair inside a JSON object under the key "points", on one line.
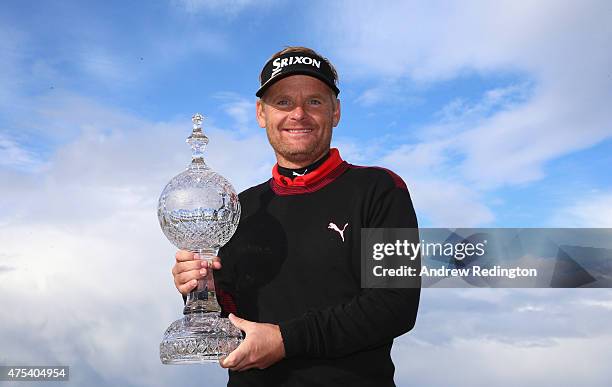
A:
{"points": [[446, 203], [459, 112], [485, 362], [508, 136], [240, 109], [373, 96], [589, 210], [442, 198], [106, 165], [428, 42], [606, 304], [95, 298], [389, 92], [506, 337], [529, 309], [82, 237], [14, 155]]}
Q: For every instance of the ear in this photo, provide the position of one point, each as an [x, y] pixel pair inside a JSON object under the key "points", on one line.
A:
{"points": [[260, 114], [336, 113]]}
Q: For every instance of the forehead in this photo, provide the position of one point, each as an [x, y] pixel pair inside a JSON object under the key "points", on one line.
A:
{"points": [[298, 84]]}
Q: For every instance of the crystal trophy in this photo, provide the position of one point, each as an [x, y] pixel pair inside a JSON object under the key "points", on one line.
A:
{"points": [[199, 211]]}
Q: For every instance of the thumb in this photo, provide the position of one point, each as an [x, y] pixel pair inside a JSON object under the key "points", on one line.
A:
{"points": [[238, 322]]}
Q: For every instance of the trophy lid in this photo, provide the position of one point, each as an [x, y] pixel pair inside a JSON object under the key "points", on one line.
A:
{"points": [[197, 140]]}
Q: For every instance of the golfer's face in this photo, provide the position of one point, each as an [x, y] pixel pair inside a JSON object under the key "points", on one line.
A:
{"points": [[299, 113]]}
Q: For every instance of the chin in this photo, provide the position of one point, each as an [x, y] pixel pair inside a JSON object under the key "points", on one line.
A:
{"points": [[297, 154], [300, 153], [304, 157]]}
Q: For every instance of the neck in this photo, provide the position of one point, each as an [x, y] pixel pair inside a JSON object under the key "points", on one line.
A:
{"points": [[293, 172], [323, 172], [298, 164]]}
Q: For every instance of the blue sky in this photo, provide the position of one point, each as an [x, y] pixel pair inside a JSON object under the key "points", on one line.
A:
{"points": [[496, 114], [421, 84]]}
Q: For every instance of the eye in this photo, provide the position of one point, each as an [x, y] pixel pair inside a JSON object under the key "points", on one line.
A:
{"points": [[315, 101], [282, 102]]}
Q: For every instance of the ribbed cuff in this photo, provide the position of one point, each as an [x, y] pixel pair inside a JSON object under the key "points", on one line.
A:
{"points": [[294, 334]]}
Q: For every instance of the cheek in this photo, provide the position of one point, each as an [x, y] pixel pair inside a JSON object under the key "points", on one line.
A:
{"points": [[275, 119], [326, 121]]}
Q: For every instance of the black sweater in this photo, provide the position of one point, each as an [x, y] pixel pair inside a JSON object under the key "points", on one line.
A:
{"points": [[288, 264]]}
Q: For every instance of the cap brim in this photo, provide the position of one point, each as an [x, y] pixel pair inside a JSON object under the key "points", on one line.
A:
{"points": [[311, 73]]}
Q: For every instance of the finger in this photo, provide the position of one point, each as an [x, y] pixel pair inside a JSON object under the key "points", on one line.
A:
{"points": [[184, 255], [239, 323], [188, 287], [243, 366], [183, 278], [216, 264], [181, 267], [235, 357]]}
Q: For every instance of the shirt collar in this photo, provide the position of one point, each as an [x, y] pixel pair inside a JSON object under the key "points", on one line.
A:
{"points": [[311, 177]]}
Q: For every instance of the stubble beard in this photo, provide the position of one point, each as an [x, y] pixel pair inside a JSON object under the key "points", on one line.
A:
{"points": [[305, 155]]}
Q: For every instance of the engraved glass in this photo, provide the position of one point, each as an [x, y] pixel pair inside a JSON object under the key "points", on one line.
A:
{"points": [[199, 211]]}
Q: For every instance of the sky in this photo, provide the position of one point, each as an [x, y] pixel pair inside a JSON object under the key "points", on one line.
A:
{"points": [[496, 114]]}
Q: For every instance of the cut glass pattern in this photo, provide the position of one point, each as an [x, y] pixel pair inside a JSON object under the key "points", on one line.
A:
{"points": [[199, 211]]}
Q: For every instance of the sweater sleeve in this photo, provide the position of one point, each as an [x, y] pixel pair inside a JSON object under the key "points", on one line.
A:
{"points": [[375, 316]]}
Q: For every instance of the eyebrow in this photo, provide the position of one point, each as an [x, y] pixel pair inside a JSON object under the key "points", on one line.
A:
{"points": [[314, 95]]}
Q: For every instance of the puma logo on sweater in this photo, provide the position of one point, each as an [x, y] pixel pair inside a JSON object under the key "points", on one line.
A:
{"points": [[332, 226], [300, 174]]}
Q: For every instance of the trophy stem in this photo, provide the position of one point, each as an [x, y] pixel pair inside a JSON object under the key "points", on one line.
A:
{"points": [[203, 298]]}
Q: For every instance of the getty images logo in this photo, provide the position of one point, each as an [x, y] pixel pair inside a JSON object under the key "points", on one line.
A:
{"points": [[280, 63]]}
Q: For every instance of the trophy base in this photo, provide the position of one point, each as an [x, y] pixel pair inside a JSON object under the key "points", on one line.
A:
{"points": [[199, 338]]}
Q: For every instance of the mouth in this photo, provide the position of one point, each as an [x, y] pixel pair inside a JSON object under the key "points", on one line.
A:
{"points": [[297, 130]]}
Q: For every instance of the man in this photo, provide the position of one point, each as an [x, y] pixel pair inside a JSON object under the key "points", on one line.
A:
{"points": [[292, 269]]}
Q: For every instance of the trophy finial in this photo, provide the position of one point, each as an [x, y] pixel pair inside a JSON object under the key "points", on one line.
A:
{"points": [[197, 121], [197, 140]]}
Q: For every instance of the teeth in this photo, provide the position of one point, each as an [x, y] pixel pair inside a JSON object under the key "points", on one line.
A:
{"points": [[299, 130]]}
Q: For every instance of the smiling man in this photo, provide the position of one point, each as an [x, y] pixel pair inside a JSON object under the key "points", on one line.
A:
{"points": [[290, 277], [298, 113]]}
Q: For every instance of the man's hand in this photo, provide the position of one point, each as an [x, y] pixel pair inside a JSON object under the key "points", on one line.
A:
{"points": [[189, 268], [262, 347]]}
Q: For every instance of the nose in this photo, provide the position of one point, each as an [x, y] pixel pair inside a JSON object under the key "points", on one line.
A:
{"points": [[297, 113]]}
